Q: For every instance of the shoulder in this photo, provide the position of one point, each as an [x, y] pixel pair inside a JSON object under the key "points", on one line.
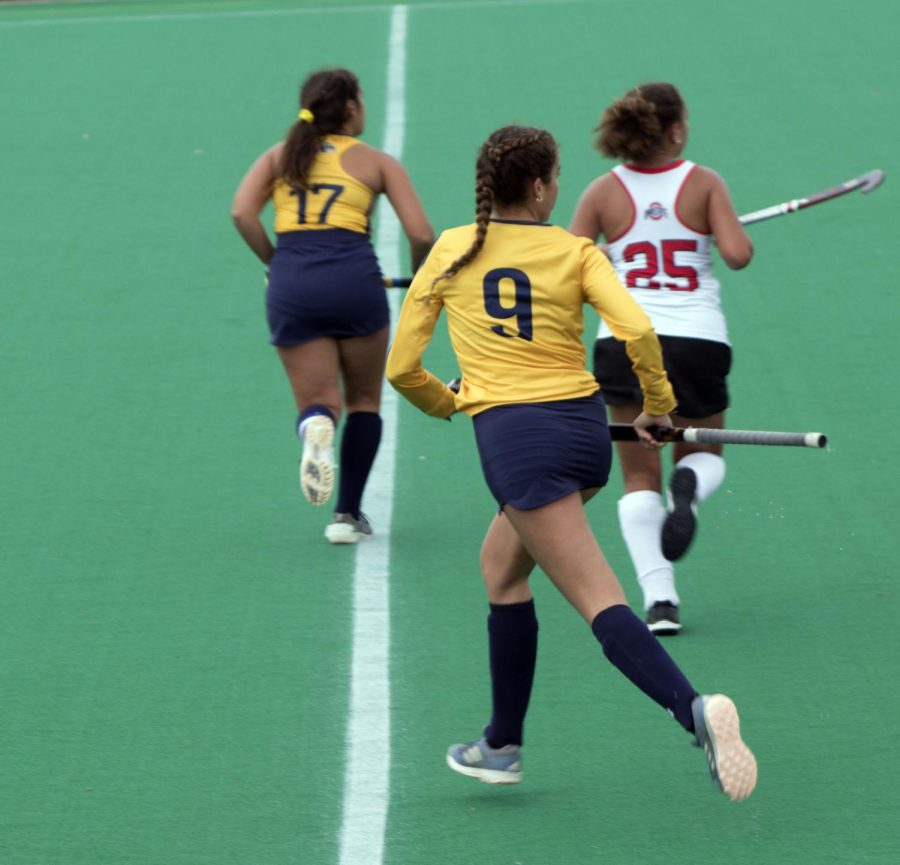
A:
{"points": [[272, 155], [703, 175], [372, 155], [573, 244], [453, 240], [453, 235], [601, 188], [267, 166]]}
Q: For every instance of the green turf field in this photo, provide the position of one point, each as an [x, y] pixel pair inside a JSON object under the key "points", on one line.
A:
{"points": [[176, 635]]}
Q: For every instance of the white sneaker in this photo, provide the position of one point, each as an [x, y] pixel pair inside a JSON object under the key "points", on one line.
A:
{"points": [[346, 529], [317, 462]]}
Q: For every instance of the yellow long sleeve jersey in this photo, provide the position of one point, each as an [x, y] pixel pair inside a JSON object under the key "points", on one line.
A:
{"points": [[515, 317]]}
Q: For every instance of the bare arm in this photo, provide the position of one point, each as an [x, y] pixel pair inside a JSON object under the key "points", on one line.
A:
{"points": [[403, 198], [252, 194], [733, 243], [586, 219]]}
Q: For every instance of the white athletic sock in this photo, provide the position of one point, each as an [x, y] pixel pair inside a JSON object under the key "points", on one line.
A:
{"points": [[710, 471], [641, 516]]}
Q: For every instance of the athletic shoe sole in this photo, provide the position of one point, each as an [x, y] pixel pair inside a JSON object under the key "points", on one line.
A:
{"points": [[317, 462], [680, 524], [718, 731], [665, 628], [488, 776]]}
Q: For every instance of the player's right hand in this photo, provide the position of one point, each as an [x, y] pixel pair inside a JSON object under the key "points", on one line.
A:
{"points": [[641, 425]]}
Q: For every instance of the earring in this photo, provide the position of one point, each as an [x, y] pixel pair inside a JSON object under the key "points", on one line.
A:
{"points": [[676, 141]]}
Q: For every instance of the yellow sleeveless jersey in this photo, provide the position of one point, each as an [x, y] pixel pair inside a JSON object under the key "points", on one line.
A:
{"points": [[331, 199], [515, 317]]}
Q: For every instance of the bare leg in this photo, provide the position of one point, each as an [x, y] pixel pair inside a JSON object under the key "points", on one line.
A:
{"points": [[505, 564], [314, 372], [362, 361], [559, 538]]}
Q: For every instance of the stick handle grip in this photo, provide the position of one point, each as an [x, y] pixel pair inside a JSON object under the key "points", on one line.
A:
{"points": [[700, 435], [397, 281]]}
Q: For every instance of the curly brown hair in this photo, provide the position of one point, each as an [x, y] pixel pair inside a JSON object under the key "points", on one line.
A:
{"points": [[633, 128], [508, 162], [325, 93]]}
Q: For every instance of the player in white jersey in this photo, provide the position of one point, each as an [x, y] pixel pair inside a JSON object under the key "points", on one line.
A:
{"points": [[659, 216]]}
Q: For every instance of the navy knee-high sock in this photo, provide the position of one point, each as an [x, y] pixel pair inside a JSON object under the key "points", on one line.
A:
{"points": [[512, 642], [359, 444], [310, 411], [630, 646]]}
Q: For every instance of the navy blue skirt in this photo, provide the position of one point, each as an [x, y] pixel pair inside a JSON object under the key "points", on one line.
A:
{"points": [[535, 453], [324, 283]]}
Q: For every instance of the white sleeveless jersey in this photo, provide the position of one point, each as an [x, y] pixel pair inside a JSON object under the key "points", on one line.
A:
{"points": [[665, 265]]}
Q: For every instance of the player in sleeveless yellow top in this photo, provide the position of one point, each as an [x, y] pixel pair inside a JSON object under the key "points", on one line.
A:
{"points": [[326, 306], [514, 288], [333, 198]]}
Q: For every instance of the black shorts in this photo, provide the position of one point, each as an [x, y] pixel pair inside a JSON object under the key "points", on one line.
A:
{"points": [[697, 369], [324, 283]]}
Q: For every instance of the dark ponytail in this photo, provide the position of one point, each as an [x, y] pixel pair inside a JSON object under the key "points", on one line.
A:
{"points": [[323, 104]]}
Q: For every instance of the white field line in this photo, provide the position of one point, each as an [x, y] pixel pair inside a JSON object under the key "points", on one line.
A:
{"points": [[278, 13], [368, 742]]}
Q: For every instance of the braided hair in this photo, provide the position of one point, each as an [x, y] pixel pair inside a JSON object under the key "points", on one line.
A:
{"points": [[325, 94], [633, 128], [508, 162]]}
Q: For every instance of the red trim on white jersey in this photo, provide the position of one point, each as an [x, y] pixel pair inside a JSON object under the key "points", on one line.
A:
{"points": [[633, 209], [662, 261], [678, 197], [640, 170]]}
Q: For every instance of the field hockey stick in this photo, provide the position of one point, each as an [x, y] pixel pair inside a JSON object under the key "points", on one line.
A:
{"points": [[624, 432], [397, 281], [864, 183]]}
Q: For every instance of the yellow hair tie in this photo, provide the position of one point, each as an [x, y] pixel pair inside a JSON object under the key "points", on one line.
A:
{"points": [[305, 116]]}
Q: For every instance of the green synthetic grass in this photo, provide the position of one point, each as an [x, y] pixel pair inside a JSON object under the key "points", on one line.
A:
{"points": [[175, 632]]}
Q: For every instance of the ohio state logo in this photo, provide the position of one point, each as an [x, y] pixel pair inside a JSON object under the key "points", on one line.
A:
{"points": [[655, 211]]}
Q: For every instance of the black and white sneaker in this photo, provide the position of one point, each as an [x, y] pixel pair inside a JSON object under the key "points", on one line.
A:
{"points": [[680, 524], [348, 529], [662, 619]]}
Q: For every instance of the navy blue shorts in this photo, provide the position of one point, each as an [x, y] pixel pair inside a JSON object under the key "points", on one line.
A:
{"points": [[535, 453], [324, 283], [697, 369]]}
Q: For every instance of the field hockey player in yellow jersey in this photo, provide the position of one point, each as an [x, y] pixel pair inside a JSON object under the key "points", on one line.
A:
{"points": [[326, 304], [514, 288]]}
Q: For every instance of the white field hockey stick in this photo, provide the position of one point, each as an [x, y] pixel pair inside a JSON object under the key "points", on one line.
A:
{"points": [[864, 183], [624, 432]]}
